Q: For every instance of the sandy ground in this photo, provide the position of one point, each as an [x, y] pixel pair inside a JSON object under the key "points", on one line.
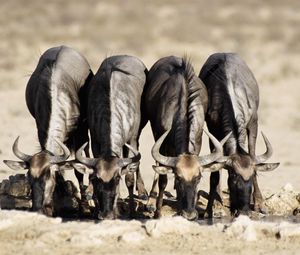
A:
{"points": [[265, 34]]}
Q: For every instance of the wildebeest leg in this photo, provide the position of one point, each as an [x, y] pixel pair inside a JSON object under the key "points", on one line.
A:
{"points": [[257, 196], [213, 192], [129, 180], [48, 206], [162, 184], [151, 205], [81, 136], [140, 186]]}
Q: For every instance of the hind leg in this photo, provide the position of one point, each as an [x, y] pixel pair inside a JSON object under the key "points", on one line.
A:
{"points": [[257, 196], [129, 180], [215, 190], [80, 138], [140, 186]]}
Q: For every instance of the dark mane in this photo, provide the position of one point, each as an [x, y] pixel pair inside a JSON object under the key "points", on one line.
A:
{"points": [[38, 98], [219, 103], [100, 116], [188, 103]]}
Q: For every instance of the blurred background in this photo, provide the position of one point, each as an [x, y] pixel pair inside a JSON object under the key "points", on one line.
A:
{"points": [[266, 34]]}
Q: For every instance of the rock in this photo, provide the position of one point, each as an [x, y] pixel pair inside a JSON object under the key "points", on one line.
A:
{"points": [[174, 225], [298, 197], [19, 187], [288, 187], [241, 228], [9, 202], [4, 187], [286, 229], [284, 202]]}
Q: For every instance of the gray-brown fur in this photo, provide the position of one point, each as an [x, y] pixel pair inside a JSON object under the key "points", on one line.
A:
{"points": [[176, 100], [114, 119], [55, 97], [233, 100]]}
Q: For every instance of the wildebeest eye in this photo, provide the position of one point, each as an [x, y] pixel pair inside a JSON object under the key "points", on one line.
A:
{"points": [[117, 178]]}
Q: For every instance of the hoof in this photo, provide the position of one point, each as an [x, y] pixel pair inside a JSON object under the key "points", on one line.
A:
{"points": [[143, 197], [260, 208], [151, 205], [47, 210], [150, 208], [208, 215], [157, 215]]}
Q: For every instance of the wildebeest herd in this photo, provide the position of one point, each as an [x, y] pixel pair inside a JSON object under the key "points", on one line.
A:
{"points": [[69, 102]]}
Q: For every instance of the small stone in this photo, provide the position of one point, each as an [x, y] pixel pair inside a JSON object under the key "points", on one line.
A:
{"points": [[288, 187], [177, 225], [242, 228]]}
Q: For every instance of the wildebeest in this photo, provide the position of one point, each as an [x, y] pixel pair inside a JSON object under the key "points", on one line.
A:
{"points": [[233, 99], [55, 97], [175, 102], [114, 113]]}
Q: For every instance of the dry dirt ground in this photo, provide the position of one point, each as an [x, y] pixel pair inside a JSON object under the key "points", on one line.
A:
{"points": [[266, 34]]}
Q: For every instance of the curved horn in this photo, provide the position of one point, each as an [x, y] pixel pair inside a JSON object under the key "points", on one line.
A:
{"points": [[166, 161], [266, 167], [66, 153], [84, 160], [223, 141], [18, 153], [216, 154], [126, 161], [264, 157]]}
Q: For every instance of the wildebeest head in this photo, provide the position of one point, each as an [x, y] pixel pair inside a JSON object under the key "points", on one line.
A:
{"points": [[241, 170], [41, 174], [188, 169], [105, 173]]}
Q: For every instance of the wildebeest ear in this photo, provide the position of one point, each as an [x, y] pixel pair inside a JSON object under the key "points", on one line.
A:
{"points": [[162, 169], [130, 168], [266, 167], [213, 167], [81, 168], [16, 165]]}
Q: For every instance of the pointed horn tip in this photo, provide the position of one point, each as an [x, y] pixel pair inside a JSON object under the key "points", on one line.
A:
{"points": [[84, 145], [81, 148], [16, 140], [228, 135]]}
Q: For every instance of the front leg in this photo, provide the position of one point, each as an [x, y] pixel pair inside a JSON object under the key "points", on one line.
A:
{"points": [[129, 180], [140, 186], [252, 136], [213, 192], [151, 205], [258, 198], [162, 184]]}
